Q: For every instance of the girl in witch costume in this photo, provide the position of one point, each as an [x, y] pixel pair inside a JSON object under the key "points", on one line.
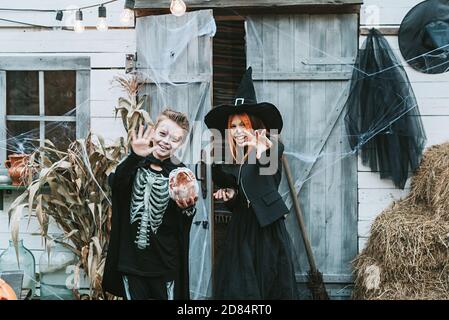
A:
{"points": [[256, 259], [149, 244]]}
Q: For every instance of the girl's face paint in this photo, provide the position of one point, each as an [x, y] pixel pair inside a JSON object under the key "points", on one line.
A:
{"points": [[237, 128]]}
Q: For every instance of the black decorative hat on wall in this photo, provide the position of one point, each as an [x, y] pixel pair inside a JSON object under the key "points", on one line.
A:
{"points": [[424, 37], [245, 102]]}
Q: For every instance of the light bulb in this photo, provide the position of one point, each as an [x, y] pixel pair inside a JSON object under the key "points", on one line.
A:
{"points": [[79, 26], [178, 7], [127, 16], [102, 24]]}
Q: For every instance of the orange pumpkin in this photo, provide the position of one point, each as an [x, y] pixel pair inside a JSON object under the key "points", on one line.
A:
{"points": [[6, 292]]}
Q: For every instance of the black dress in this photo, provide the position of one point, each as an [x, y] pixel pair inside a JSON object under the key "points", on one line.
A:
{"points": [[255, 262]]}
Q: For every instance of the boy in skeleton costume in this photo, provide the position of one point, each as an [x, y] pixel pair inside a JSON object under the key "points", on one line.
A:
{"points": [[149, 245]]}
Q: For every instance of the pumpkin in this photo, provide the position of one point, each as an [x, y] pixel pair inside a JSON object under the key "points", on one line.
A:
{"points": [[6, 292], [182, 184]]}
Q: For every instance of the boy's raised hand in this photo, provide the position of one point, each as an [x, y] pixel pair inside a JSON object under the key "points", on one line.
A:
{"points": [[141, 143]]}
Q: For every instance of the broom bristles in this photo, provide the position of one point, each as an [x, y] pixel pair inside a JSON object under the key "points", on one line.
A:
{"points": [[316, 286]]}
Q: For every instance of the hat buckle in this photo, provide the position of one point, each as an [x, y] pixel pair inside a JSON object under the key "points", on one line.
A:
{"points": [[239, 101]]}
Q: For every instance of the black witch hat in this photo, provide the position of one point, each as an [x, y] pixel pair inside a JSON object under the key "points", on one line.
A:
{"points": [[424, 37], [245, 102]]}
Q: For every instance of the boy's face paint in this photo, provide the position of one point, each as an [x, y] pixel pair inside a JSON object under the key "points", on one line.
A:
{"points": [[167, 137], [237, 130]]}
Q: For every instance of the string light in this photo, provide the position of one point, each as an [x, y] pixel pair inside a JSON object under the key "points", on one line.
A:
{"points": [[178, 8], [79, 26], [128, 12], [102, 24]]}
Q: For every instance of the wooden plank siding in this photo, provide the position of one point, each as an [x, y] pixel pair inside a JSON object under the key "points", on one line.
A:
{"points": [[240, 9], [312, 124], [106, 52], [57, 41], [146, 4], [432, 95], [385, 13]]}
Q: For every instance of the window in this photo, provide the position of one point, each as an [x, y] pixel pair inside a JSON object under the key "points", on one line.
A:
{"points": [[43, 98]]}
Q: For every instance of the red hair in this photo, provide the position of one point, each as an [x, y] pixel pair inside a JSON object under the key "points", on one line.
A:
{"points": [[244, 117]]}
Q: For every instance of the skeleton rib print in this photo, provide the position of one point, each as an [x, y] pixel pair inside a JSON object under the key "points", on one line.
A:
{"points": [[148, 203]]}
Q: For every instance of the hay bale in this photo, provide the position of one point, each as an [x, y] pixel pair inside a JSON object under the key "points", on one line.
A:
{"points": [[432, 288], [430, 184], [407, 255], [440, 199]]}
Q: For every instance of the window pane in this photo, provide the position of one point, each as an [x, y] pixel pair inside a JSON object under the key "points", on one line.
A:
{"points": [[60, 92], [22, 136], [60, 133], [22, 93]]}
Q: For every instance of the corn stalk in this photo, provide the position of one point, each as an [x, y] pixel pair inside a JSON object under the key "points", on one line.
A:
{"points": [[130, 108], [72, 190]]}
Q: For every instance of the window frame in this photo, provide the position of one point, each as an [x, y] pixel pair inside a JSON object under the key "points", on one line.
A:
{"points": [[80, 64]]}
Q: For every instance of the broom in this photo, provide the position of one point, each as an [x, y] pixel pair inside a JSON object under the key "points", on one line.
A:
{"points": [[315, 281]]}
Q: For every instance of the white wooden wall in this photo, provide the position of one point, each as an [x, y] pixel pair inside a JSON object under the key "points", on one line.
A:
{"points": [[432, 92], [107, 51]]}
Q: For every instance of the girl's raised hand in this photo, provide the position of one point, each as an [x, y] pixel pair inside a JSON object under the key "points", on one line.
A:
{"points": [[259, 140]]}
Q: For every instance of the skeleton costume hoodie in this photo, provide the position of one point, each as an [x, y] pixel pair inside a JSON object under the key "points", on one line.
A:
{"points": [[149, 232]]}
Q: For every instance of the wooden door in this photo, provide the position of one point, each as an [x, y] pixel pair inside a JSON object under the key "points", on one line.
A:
{"points": [[302, 64], [175, 53]]}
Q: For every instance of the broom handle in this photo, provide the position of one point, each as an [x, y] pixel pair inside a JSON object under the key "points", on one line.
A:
{"points": [[299, 215]]}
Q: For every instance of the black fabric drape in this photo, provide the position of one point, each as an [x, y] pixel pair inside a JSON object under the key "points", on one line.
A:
{"points": [[383, 119]]}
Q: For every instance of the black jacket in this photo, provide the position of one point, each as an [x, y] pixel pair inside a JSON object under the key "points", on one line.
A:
{"points": [[260, 191], [122, 182]]}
